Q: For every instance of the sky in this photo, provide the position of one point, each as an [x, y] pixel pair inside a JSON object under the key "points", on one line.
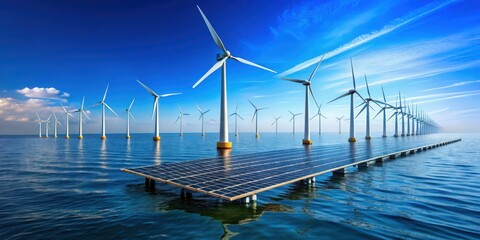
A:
{"points": [[57, 52]]}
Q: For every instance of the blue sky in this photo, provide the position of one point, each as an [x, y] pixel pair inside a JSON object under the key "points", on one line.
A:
{"points": [[54, 52]]}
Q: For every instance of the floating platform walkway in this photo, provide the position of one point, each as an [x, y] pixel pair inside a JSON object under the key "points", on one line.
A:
{"points": [[241, 177]]}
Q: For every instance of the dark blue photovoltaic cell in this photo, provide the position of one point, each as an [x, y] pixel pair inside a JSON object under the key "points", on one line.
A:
{"points": [[233, 176]]}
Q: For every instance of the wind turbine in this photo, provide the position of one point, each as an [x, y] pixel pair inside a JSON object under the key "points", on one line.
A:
{"points": [[366, 105], [202, 115], [47, 125], [293, 118], [408, 116], [320, 115], [104, 104], [396, 108], [81, 112], [308, 88], [413, 120], [155, 107], [236, 115], [39, 120], [129, 114], [223, 142], [384, 110], [276, 124], [55, 125], [402, 113], [351, 92], [180, 116], [66, 121], [255, 116], [340, 124]]}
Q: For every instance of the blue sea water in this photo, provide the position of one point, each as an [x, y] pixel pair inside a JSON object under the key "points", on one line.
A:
{"points": [[74, 189]]}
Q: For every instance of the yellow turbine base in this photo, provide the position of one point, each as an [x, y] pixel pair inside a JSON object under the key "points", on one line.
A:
{"points": [[80, 137], [257, 135], [307, 142], [103, 137], [352, 139], [55, 137], [368, 137], [156, 138], [128, 136], [224, 145], [67, 137], [46, 137]]}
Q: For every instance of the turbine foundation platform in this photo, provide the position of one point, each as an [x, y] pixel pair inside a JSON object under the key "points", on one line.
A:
{"points": [[224, 145], [80, 137], [368, 137], [103, 137], [352, 139], [156, 138], [307, 142]]}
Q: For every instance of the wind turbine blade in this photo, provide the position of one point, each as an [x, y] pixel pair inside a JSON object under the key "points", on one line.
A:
{"points": [[38, 116], [254, 114], [366, 83], [378, 103], [176, 120], [131, 115], [110, 109], [54, 116], [148, 89], [262, 108], [360, 96], [214, 34], [341, 96], [105, 95], [365, 106], [314, 116], [323, 116], [290, 112], [239, 116], [391, 116], [84, 113], [353, 74], [155, 106], [169, 94], [291, 119], [313, 95], [359, 105], [383, 109], [252, 104], [59, 123], [65, 110], [384, 98], [48, 119], [236, 108], [200, 110], [208, 111], [185, 113], [212, 69], [316, 67], [244, 61], [179, 110], [83, 102], [294, 80], [131, 104], [69, 114]]}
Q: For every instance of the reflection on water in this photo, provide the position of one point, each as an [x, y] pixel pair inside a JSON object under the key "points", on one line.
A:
{"points": [[225, 157], [156, 153]]}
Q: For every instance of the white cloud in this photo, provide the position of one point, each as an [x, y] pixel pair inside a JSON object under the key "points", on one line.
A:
{"points": [[362, 39], [13, 118], [452, 85], [47, 93]]}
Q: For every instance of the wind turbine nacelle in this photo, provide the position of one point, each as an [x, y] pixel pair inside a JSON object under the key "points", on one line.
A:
{"points": [[220, 56]]}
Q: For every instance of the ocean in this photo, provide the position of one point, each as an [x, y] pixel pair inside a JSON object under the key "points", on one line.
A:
{"points": [[74, 189]]}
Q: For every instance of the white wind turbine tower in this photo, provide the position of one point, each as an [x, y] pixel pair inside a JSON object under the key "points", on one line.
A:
{"points": [[384, 110], [155, 107], [81, 112], [129, 114], [180, 116], [293, 119], [223, 142], [39, 120], [47, 123], [202, 115], [104, 104], [236, 115], [320, 115], [351, 92], [276, 124], [413, 120], [366, 105], [308, 88], [66, 121], [340, 124], [55, 125], [255, 116], [408, 116], [402, 113]]}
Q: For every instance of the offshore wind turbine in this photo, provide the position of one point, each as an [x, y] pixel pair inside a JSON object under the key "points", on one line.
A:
{"points": [[407, 113], [366, 105], [202, 115], [236, 115], [412, 133], [293, 119], [55, 125], [47, 125], [396, 108], [39, 120], [66, 121], [104, 104], [276, 124], [255, 116], [351, 92], [384, 110], [308, 89], [223, 142], [81, 112], [340, 124], [129, 114], [402, 113], [320, 115], [180, 116], [156, 137]]}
